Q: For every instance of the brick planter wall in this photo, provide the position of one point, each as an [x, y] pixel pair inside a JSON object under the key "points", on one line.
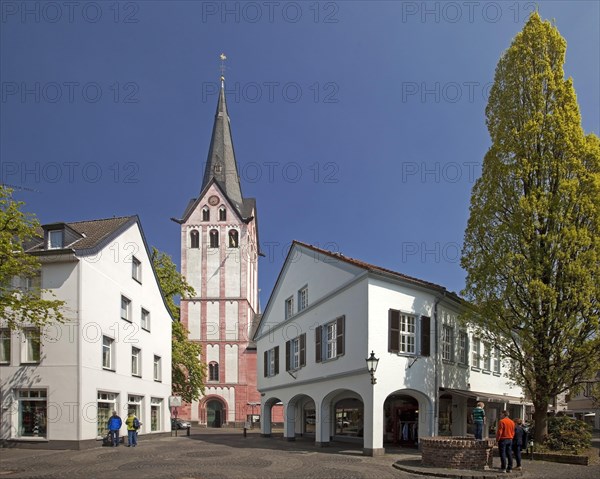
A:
{"points": [[457, 452]]}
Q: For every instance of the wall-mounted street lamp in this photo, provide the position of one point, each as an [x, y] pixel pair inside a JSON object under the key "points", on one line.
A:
{"points": [[372, 363]]}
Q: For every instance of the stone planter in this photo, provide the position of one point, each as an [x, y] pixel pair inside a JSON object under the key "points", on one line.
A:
{"points": [[457, 452]]}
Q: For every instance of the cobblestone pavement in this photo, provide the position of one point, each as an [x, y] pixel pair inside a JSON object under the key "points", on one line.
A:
{"points": [[216, 454]]}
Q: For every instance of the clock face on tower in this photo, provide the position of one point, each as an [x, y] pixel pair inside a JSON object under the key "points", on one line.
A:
{"points": [[213, 200]]}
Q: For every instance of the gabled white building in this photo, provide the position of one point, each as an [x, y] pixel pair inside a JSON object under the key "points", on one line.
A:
{"points": [[325, 316], [58, 386]]}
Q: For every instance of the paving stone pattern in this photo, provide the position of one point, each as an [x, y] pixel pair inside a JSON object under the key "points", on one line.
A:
{"points": [[225, 454]]}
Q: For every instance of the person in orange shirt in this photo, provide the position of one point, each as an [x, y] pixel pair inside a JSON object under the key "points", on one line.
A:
{"points": [[505, 432]]}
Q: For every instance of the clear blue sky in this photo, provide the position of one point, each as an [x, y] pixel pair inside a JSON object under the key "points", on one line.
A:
{"points": [[358, 126]]}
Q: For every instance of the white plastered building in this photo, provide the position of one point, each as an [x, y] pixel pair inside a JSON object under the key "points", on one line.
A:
{"points": [[325, 316], [59, 385]]}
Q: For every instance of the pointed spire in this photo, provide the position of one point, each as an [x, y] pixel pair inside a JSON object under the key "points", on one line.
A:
{"points": [[221, 164]]}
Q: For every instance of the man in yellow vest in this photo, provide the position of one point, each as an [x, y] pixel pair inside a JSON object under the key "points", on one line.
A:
{"points": [[133, 424]]}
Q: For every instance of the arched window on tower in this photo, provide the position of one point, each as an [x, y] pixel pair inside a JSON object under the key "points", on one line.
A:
{"points": [[233, 239], [194, 239], [222, 213], [214, 238], [205, 214], [213, 371]]}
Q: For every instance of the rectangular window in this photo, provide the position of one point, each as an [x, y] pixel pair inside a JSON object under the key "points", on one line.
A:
{"points": [[402, 333], [136, 269], [32, 412], [55, 239], [496, 360], [463, 347], [125, 308], [107, 353], [295, 353], [476, 353], [289, 307], [32, 346], [329, 339], [155, 414], [303, 298], [107, 403], [145, 320], [487, 357], [5, 346], [447, 343], [134, 403], [271, 362], [157, 368], [136, 362]]}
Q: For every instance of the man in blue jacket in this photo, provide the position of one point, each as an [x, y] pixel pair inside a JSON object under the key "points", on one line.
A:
{"points": [[114, 426]]}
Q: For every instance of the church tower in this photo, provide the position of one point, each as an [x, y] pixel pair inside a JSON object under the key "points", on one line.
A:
{"points": [[219, 253]]}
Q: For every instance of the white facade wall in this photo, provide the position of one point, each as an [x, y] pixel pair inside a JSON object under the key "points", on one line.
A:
{"points": [[365, 299], [71, 364]]}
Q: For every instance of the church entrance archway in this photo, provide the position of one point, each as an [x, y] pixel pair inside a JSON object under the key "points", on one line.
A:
{"points": [[215, 413]]}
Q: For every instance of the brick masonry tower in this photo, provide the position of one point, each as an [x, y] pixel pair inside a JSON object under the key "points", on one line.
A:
{"points": [[219, 250]]}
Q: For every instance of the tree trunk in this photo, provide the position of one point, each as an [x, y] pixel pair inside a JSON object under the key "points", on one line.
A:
{"points": [[540, 420]]}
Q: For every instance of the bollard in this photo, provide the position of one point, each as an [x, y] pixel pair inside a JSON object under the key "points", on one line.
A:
{"points": [[188, 430], [245, 432]]}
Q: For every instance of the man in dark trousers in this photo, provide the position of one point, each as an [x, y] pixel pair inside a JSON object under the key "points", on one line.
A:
{"points": [[504, 435], [114, 426]]}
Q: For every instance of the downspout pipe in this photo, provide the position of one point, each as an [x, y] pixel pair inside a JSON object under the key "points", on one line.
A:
{"points": [[436, 368]]}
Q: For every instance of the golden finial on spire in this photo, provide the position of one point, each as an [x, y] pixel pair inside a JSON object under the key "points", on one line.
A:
{"points": [[223, 58]]}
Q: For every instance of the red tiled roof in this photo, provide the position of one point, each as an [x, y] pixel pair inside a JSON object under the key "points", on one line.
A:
{"points": [[372, 267]]}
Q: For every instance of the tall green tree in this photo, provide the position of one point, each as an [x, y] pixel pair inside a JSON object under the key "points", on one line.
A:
{"points": [[532, 243], [21, 301], [188, 372]]}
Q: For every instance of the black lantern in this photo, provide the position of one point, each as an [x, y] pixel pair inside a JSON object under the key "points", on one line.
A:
{"points": [[372, 363]]}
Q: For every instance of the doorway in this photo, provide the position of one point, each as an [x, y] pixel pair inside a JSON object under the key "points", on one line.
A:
{"points": [[214, 413]]}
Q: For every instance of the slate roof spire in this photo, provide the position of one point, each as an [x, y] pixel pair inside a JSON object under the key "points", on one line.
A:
{"points": [[221, 164]]}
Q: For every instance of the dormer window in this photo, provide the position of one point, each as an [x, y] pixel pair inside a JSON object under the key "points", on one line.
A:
{"points": [[222, 214], [205, 214], [55, 239]]}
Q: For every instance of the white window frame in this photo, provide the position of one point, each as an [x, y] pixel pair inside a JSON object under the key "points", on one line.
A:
{"points": [[125, 311], [497, 362], [136, 269], [105, 398], [145, 322], [56, 239], [135, 402], [108, 344], [302, 298], [487, 357], [476, 353], [330, 340], [408, 334], [271, 360], [295, 354], [289, 307], [5, 346], [463, 347], [31, 395], [447, 342], [157, 368], [136, 362], [156, 403], [28, 346]]}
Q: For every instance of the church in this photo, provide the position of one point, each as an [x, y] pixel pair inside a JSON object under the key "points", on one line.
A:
{"points": [[219, 259]]}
